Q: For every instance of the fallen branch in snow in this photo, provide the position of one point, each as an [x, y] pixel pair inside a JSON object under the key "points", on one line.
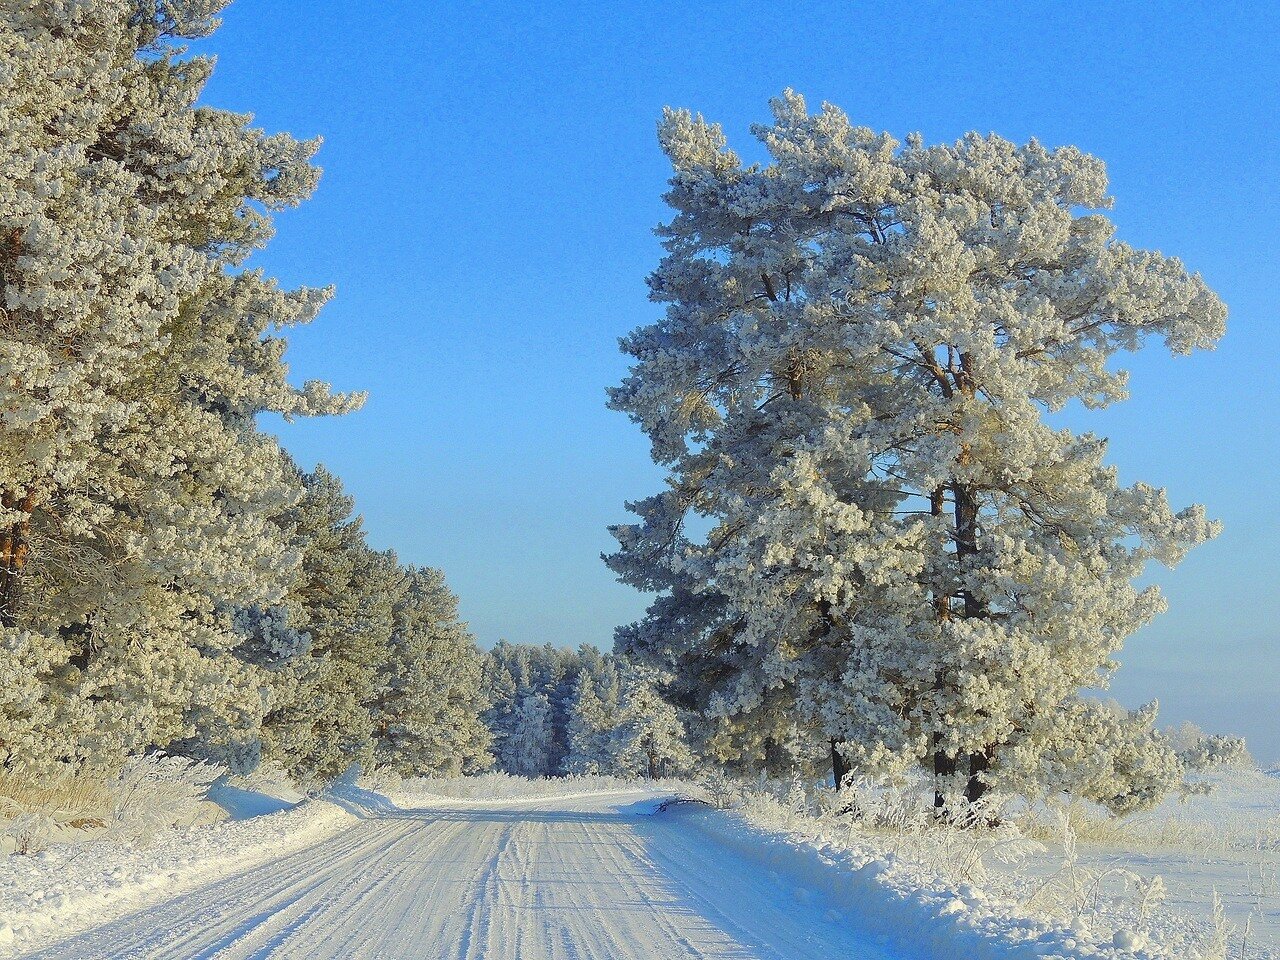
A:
{"points": [[666, 805]]}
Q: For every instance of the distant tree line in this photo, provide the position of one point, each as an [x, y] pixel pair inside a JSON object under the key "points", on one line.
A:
{"points": [[558, 712]]}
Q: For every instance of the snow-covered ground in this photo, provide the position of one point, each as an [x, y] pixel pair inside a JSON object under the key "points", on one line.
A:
{"points": [[1148, 883], [1225, 843], [71, 887], [590, 876], [502, 867]]}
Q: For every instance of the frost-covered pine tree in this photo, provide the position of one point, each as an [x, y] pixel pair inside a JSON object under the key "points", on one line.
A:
{"points": [[345, 600], [526, 749], [499, 688], [558, 672], [427, 713], [514, 670], [138, 502], [608, 684], [906, 563], [590, 729], [648, 739]]}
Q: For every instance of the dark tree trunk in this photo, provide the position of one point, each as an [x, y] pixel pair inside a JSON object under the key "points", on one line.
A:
{"points": [[15, 543], [966, 514], [977, 784], [944, 767], [839, 766], [967, 547]]}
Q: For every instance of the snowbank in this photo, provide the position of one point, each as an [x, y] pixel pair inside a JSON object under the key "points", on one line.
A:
{"points": [[243, 803], [68, 888], [919, 914], [1196, 877]]}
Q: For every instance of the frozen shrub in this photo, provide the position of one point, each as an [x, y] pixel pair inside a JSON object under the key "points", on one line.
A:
{"points": [[1215, 751], [719, 790], [28, 833], [383, 779], [157, 791], [67, 795]]}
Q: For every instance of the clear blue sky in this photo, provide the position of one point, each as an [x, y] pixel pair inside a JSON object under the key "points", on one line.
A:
{"points": [[491, 180]]}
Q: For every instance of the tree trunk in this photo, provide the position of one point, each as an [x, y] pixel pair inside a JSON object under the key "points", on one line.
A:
{"points": [[653, 766], [839, 766], [944, 765], [15, 544], [977, 784], [947, 765], [966, 514]]}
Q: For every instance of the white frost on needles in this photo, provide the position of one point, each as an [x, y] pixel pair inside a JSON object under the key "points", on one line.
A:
{"points": [[905, 563]]}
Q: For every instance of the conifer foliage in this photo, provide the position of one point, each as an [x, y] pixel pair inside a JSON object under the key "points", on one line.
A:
{"points": [[648, 739], [555, 712], [167, 578], [906, 563], [429, 692]]}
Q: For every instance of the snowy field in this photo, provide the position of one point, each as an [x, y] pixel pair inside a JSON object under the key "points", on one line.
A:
{"points": [[1225, 844], [1198, 877], [497, 866]]}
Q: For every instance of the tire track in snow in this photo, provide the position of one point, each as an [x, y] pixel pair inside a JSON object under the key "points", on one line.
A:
{"points": [[560, 879], [212, 921], [342, 910], [480, 913], [632, 863]]}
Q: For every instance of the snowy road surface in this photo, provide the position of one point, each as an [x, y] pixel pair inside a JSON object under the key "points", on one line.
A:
{"points": [[571, 877]]}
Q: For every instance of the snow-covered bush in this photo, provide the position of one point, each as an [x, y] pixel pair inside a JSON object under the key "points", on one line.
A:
{"points": [[961, 845], [1171, 827], [147, 794], [383, 779], [27, 833], [67, 795], [156, 792], [719, 789], [1074, 890]]}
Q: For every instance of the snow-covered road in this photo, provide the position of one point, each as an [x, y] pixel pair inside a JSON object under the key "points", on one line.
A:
{"points": [[570, 877]]}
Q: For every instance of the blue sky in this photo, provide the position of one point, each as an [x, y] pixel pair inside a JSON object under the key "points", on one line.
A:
{"points": [[491, 181]]}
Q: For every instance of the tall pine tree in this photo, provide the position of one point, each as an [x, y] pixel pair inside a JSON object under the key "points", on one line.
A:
{"points": [[427, 715], [138, 501], [906, 563]]}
